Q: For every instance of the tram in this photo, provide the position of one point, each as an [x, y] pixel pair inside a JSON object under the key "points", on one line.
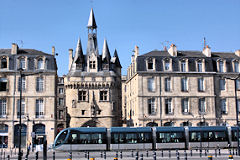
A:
{"points": [[145, 138]]}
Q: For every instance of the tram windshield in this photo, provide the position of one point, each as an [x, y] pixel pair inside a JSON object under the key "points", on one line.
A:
{"points": [[234, 135], [170, 137], [61, 138]]}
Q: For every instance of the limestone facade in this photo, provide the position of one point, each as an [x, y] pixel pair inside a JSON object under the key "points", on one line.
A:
{"points": [[38, 96], [93, 84], [182, 88]]}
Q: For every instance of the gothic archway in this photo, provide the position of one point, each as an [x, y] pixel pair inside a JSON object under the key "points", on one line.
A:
{"points": [[93, 123], [151, 124]]}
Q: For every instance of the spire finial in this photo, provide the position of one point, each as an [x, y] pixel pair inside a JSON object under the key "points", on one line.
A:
{"points": [[92, 22]]}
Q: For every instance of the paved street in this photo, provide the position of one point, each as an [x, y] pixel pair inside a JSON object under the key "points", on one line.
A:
{"points": [[127, 155]]}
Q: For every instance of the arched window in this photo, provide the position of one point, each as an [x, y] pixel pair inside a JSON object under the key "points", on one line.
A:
{"points": [[22, 63], [168, 124], [3, 63], [40, 64], [23, 135], [151, 124]]}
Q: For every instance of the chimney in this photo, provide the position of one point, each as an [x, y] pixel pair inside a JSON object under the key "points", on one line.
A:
{"points": [[173, 50], [136, 51], [14, 48], [207, 51], [237, 53], [70, 58], [53, 50]]}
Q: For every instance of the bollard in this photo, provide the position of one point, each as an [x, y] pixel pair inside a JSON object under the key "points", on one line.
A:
{"points": [[8, 157], [136, 156], [53, 155], [36, 156], [4, 155], [185, 155], [162, 153], [121, 154], [154, 155], [101, 154], [230, 152], [15, 152], [141, 157], [146, 153], [85, 154], [200, 153], [219, 152], [236, 152], [230, 157], [169, 153], [104, 155], [177, 155], [205, 152], [191, 152], [116, 154], [215, 153], [209, 157], [132, 153]]}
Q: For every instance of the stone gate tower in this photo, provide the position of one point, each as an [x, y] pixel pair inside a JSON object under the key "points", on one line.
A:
{"points": [[93, 84]]}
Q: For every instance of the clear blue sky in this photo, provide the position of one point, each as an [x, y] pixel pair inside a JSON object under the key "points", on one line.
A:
{"points": [[41, 24]]}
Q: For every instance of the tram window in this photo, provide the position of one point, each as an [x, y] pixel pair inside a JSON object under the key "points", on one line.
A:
{"points": [[114, 138], [61, 138], [73, 138], [195, 137], [144, 137], [170, 137], [220, 136], [97, 138], [131, 137], [85, 139]]}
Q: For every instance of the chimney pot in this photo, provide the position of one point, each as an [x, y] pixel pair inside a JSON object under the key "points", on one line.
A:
{"points": [[237, 53], [14, 48], [53, 50]]}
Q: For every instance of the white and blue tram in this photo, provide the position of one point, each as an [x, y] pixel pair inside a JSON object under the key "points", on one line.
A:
{"points": [[145, 138]]}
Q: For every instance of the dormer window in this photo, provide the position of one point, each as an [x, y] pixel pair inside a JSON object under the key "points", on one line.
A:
{"points": [[183, 66], [150, 64], [220, 66], [92, 64], [167, 65], [22, 63], [3, 63], [236, 66], [40, 64], [199, 66]]}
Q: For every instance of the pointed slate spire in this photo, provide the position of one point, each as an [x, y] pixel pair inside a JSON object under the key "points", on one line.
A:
{"points": [[91, 22], [115, 59], [79, 52], [105, 52]]}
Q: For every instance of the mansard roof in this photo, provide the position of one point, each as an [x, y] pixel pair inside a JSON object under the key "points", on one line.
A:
{"points": [[24, 51], [192, 56]]}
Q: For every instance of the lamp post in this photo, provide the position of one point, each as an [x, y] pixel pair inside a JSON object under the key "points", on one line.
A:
{"points": [[20, 117], [237, 109]]}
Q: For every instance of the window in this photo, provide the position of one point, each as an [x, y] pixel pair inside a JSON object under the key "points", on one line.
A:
{"points": [[39, 108], [168, 106], [184, 85], [103, 95], [167, 65], [223, 106], [3, 106], [199, 66], [3, 84], [201, 105], [220, 66], [151, 106], [92, 64], [200, 84], [150, 64], [183, 66], [61, 91], [40, 64], [22, 107], [222, 84], [82, 95], [236, 66], [40, 83], [185, 108], [237, 84], [60, 101], [83, 112], [22, 63], [60, 114], [23, 84], [4, 63], [167, 82], [151, 84]]}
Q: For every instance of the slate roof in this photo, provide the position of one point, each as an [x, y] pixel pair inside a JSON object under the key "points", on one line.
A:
{"points": [[192, 56]]}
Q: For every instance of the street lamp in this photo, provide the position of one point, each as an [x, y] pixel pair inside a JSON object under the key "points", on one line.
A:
{"points": [[237, 109], [20, 154]]}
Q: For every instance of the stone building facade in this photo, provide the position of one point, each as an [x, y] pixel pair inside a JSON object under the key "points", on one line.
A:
{"points": [[38, 96], [182, 88], [93, 84]]}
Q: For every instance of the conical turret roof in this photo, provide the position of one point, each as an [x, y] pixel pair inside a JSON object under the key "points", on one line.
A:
{"points": [[79, 53], [92, 22], [105, 52], [115, 59]]}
